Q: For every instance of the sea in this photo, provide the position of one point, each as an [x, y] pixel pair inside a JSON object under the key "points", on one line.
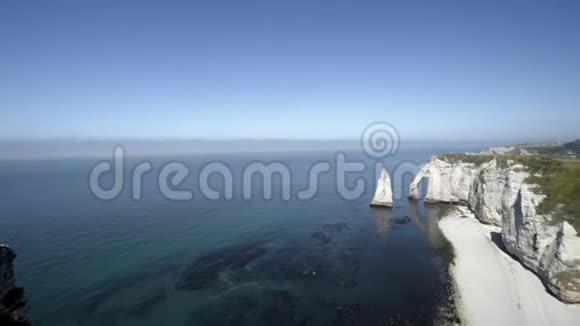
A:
{"points": [[324, 260]]}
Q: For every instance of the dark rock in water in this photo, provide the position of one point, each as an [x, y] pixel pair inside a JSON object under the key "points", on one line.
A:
{"points": [[297, 265], [400, 220], [463, 216], [346, 283], [298, 269], [205, 270], [322, 237], [103, 291], [336, 227], [355, 314], [244, 306], [328, 230], [365, 314], [146, 305], [13, 305]]}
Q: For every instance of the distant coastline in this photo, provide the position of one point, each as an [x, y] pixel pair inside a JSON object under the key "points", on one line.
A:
{"points": [[36, 149]]}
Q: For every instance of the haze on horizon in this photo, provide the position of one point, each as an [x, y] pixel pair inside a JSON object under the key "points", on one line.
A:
{"points": [[443, 71]]}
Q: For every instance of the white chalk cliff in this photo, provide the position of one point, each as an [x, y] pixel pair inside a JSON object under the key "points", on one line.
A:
{"points": [[447, 182], [500, 196], [384, 193]]}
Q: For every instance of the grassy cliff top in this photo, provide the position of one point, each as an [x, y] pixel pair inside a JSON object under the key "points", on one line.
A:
{"points": [[558, 179], [532, 163], [562, 190]]}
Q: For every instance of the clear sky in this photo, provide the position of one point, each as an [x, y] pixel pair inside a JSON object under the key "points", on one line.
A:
{"points": [[289, 69]]}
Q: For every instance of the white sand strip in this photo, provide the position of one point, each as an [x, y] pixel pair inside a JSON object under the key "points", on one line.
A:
{"points": [[495, 289]]}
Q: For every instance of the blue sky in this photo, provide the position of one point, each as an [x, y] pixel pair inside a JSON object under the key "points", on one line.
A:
{"points": [[289, 69]]}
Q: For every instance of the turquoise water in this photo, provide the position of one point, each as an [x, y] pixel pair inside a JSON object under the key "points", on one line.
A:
{"points": [[324, 261]]}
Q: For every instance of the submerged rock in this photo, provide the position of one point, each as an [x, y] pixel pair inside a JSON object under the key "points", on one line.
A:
{"points": [[384, 193], [325, 236], [336, 227], [206, 270], [13, 305], [401, 220], [251, 305], [322, 237]]}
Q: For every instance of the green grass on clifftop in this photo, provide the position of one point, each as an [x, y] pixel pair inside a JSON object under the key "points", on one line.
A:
{"points": [[533, 163], [562, 189], [558, 179]]}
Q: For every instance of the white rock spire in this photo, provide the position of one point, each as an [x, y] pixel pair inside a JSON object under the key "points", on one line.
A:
{"points": [[384, 193]]}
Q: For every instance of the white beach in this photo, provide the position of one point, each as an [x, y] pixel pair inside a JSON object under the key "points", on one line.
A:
{"points": [[494, 288]]}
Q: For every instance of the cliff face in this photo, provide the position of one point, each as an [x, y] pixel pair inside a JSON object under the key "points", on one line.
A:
{"points": [[500, 196], [488, 190], [13, 306], [384, 193]]}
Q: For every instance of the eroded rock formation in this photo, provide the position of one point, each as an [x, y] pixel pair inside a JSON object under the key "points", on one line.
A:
{"points": [[447, 182], [384, 193], [501, 196]]}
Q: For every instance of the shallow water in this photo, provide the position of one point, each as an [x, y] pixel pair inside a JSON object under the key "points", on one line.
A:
{"points": [[241, 262]]}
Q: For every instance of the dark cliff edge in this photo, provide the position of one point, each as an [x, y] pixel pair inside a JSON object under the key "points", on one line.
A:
{"points": [[13, 305]]}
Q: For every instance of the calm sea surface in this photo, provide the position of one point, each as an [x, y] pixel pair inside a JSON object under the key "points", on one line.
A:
{"points": [[324, 261]]}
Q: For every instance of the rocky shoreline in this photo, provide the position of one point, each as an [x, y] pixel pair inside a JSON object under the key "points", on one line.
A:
{"points": [[500, 196], [494, 288]]}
